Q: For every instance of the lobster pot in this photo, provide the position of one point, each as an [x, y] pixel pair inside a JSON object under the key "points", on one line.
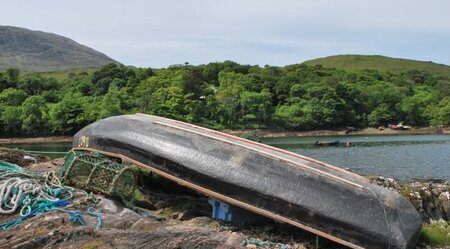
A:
{"points": [[96, 172]]}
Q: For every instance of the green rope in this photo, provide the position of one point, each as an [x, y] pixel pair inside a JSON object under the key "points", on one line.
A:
{"points": [[46, 152], [5, 166], [90, 196]]}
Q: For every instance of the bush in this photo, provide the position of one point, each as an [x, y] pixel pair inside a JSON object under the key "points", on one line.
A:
{"points": [[436, 234]]}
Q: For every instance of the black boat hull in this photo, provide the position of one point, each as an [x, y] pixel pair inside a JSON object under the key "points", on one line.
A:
{"points": [[306, 193]]}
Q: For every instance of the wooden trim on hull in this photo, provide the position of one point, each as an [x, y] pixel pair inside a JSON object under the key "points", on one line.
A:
{"points": [[224, 198]]}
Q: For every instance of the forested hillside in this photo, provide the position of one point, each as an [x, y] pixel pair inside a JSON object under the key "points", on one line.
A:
{"points": [[224, 95]]}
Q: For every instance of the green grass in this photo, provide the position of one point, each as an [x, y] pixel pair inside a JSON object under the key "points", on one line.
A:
{"points": [[93, 244], [354, 63], [63, 75], [436, 234]]}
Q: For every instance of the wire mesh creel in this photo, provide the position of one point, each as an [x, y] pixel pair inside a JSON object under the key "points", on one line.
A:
{"points": [[99, 173]]}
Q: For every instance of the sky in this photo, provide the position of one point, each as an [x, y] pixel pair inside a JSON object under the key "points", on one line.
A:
{"points": [[257, 32]]}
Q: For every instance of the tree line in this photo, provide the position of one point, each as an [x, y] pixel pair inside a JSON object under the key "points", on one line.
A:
{"points": [[223, 95]]}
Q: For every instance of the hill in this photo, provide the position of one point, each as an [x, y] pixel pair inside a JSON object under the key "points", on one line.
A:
{"points": [[40, 51], [354, 63]]}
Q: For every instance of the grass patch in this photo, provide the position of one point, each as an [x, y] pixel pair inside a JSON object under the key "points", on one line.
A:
{"points": [[355, 63], [64, 74], [436, 234], [93, 244]]}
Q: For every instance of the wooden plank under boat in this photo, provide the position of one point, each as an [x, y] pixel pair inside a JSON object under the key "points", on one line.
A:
{"points": [[287, 187]]}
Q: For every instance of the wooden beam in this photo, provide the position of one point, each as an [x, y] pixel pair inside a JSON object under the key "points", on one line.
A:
{"points": [[223, 198]]}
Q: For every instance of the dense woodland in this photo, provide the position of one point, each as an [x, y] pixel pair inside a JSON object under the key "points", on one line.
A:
{"points": [[223, 95]]}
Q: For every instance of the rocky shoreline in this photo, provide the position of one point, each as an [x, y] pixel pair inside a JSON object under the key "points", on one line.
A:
{"points": [[170, 216], [431, 198], [166, 215]]}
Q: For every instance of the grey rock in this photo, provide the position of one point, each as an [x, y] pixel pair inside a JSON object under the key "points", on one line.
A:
{"points": [[109, 206], [129, 215], [145, 225]]}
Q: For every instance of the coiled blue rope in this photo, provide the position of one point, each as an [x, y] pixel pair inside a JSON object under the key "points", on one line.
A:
{"points": [[52, 196], [43, 207]]}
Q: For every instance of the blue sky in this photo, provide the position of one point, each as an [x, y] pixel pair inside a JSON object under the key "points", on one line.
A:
{"points": [[162, 33]]}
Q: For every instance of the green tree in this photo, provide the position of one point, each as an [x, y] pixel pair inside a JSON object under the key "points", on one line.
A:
{"points": [[111, 103], [169, 102], [13, 76], [34, 115], [355, 106], [414, 106], [228, 95], [12, 97], [256, 107], [382, 115], [384, 93], [327, 106], [66, 117], [102, 78], [10, 119], [296, 116], [439, 114]]}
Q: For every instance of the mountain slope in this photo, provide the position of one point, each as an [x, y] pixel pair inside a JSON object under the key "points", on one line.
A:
{"points": [[39, 51], [379, 63]]}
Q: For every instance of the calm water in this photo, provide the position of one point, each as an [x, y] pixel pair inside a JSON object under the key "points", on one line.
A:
{"points": [[48, 148], [400, 156]]}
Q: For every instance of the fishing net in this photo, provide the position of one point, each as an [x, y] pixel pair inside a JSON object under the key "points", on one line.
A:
{"points": [[30, 193], [99, 173]]}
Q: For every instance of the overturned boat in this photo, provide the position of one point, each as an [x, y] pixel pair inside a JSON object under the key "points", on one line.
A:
{"points": [[284, 186]]}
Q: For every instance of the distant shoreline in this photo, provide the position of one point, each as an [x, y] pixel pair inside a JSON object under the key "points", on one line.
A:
{"points": [[36, 140], [366, 131], [258, 132]]}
